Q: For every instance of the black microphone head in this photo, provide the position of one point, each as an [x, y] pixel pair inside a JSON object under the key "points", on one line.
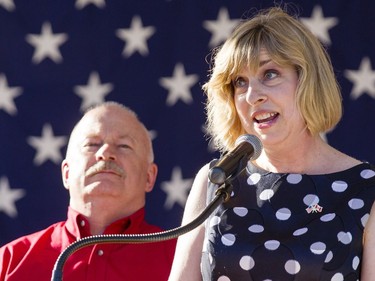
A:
{"points": [[248, 147], [254, 141]]}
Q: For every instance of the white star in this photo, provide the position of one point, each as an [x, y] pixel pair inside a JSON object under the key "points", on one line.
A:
{"points": [[46, 44], [319, 25], [135, 37], [8, 198], [7, 95], [47, 146], [176, 189], [94, 92], [220, 28], [179, 85], [363, 79], [80, 4], [8, 5]]}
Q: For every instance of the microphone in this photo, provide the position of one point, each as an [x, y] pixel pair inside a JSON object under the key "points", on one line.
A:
{"points": [[248, 147]]}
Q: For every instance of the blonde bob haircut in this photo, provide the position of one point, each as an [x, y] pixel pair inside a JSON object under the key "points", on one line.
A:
{"points": [[289, 43]]}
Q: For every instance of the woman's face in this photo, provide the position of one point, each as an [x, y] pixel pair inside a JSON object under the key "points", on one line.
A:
{"points": [[265, 101]]}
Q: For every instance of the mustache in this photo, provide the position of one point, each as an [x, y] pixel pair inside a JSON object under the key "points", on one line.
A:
{"points": [[105, 166]]}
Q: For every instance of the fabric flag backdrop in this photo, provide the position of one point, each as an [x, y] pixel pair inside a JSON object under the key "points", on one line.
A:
{"points": [[59, 57]]}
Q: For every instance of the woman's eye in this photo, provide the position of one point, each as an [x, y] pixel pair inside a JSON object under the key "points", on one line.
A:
{"points": [[270, 74], [239, 82]]}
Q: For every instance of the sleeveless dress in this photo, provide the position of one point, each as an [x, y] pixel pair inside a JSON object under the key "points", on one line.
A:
{"points": [[281, 227]]}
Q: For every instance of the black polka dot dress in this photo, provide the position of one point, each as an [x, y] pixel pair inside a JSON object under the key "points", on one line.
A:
{"points": [[281, 227]]}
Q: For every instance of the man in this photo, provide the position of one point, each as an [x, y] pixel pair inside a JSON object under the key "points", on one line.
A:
{"points": [[108, 170]]}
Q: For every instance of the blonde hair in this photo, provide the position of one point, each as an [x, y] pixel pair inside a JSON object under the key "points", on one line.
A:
{"points": [[288, 42]]}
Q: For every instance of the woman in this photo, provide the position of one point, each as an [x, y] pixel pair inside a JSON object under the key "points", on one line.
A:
{"points": [[298, 211]]}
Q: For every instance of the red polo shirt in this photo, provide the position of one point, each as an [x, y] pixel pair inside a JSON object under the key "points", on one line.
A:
{"points": [[32, 257]]}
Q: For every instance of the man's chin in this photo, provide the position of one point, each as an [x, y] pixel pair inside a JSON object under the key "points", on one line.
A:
{"points": [[103, 187]]}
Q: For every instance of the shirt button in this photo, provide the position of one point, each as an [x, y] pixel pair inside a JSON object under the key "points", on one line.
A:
{"points": [[100, 252], [83, 223]]}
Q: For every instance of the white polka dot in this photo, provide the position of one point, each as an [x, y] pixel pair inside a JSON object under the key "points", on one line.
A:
{"points": [[283, 214], [310, 199], [247, 262], [366, 174], [356, 203], [338, 277], [364, 219], [266, 194], [328, 217], [318, 248], [214, 221], [344, 237], [272, 245], [253, 179], [294, 178], [339, 186], [292, 267], [329, 257], [240, 211], [256, 228], [300, 231], [355, 263], [223, 278], [228, 239]]}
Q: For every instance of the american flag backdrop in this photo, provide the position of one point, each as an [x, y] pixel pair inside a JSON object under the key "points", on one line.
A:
{"points": [[59, 57]]}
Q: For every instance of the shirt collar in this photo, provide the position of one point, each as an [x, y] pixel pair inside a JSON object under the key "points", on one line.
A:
{"points": [[78, 226]]}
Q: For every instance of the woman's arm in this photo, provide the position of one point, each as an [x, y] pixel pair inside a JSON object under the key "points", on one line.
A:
{"points": [[187, 259]]}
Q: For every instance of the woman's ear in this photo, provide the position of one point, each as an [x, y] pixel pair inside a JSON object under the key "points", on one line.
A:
{"points": [[65, 173]]}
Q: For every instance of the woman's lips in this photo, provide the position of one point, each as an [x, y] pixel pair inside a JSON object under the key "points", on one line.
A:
{"points": [[265, 117]]}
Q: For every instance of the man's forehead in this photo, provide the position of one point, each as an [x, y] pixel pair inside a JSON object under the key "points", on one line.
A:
{"points": [[102, 120], [106, 115], [97, 127]]}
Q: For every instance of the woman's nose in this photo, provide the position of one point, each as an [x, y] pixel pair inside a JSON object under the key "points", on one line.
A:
{"points": [[255, 94]]}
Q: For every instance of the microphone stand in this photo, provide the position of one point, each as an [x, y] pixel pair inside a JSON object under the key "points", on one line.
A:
{"points": [[222, 194]]}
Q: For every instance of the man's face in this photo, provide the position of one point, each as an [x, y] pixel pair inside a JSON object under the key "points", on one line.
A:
{"points": [[108, 161]]}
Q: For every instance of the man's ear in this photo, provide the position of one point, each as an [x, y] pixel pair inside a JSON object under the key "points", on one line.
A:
{"points": [[65, 173], [152, 172]]}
